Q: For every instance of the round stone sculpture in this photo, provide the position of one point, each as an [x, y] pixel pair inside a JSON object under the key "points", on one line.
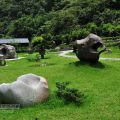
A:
{"points": [[87, 49], [27, 90], [8, 51]]}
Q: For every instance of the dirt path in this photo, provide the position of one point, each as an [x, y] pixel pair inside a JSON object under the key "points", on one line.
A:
{"points": [[15, 59]]}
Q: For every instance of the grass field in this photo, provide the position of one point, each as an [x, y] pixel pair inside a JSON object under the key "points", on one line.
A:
{"points": [[100, 83]]}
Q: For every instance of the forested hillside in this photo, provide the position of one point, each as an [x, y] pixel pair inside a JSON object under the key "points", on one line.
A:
{"points": [[61, 20]]}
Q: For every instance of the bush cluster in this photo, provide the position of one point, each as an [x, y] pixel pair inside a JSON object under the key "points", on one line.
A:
{"points": [[33, 58], [69, 94]]}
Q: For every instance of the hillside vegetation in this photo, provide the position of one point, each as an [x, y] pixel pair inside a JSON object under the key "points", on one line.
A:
{"points": [[59, 20]]}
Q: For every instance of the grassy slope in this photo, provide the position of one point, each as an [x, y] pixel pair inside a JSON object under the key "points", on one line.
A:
{"points": [[100, 83]]}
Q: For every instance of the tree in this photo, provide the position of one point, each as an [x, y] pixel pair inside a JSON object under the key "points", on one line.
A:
{"points": [[23, 27], [39, 43]]}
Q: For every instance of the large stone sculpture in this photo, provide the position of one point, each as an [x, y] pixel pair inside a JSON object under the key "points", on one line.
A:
{"points": [[8, 51], [87, 48], [27, 90]]}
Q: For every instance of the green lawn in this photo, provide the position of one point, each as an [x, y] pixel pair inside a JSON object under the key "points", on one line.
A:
{"points": [[100, 83]]}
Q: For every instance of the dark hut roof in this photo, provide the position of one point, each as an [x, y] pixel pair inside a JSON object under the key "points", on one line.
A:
{"points": [[14, 40]]}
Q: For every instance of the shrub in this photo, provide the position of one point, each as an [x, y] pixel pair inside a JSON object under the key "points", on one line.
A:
{"points": [[39, 44], [65, 47], [32, 58], [69, 94], [36, 41]]}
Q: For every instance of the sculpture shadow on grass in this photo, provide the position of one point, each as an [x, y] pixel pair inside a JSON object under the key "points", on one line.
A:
{"points": [[99, 65]]}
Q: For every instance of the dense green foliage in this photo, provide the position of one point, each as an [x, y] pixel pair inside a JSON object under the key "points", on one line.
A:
{"points": [[38, 41], [59, 20]]}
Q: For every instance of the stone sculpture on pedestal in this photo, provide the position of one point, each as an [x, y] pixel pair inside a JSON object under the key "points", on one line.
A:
{"points": [[87, 49]]}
